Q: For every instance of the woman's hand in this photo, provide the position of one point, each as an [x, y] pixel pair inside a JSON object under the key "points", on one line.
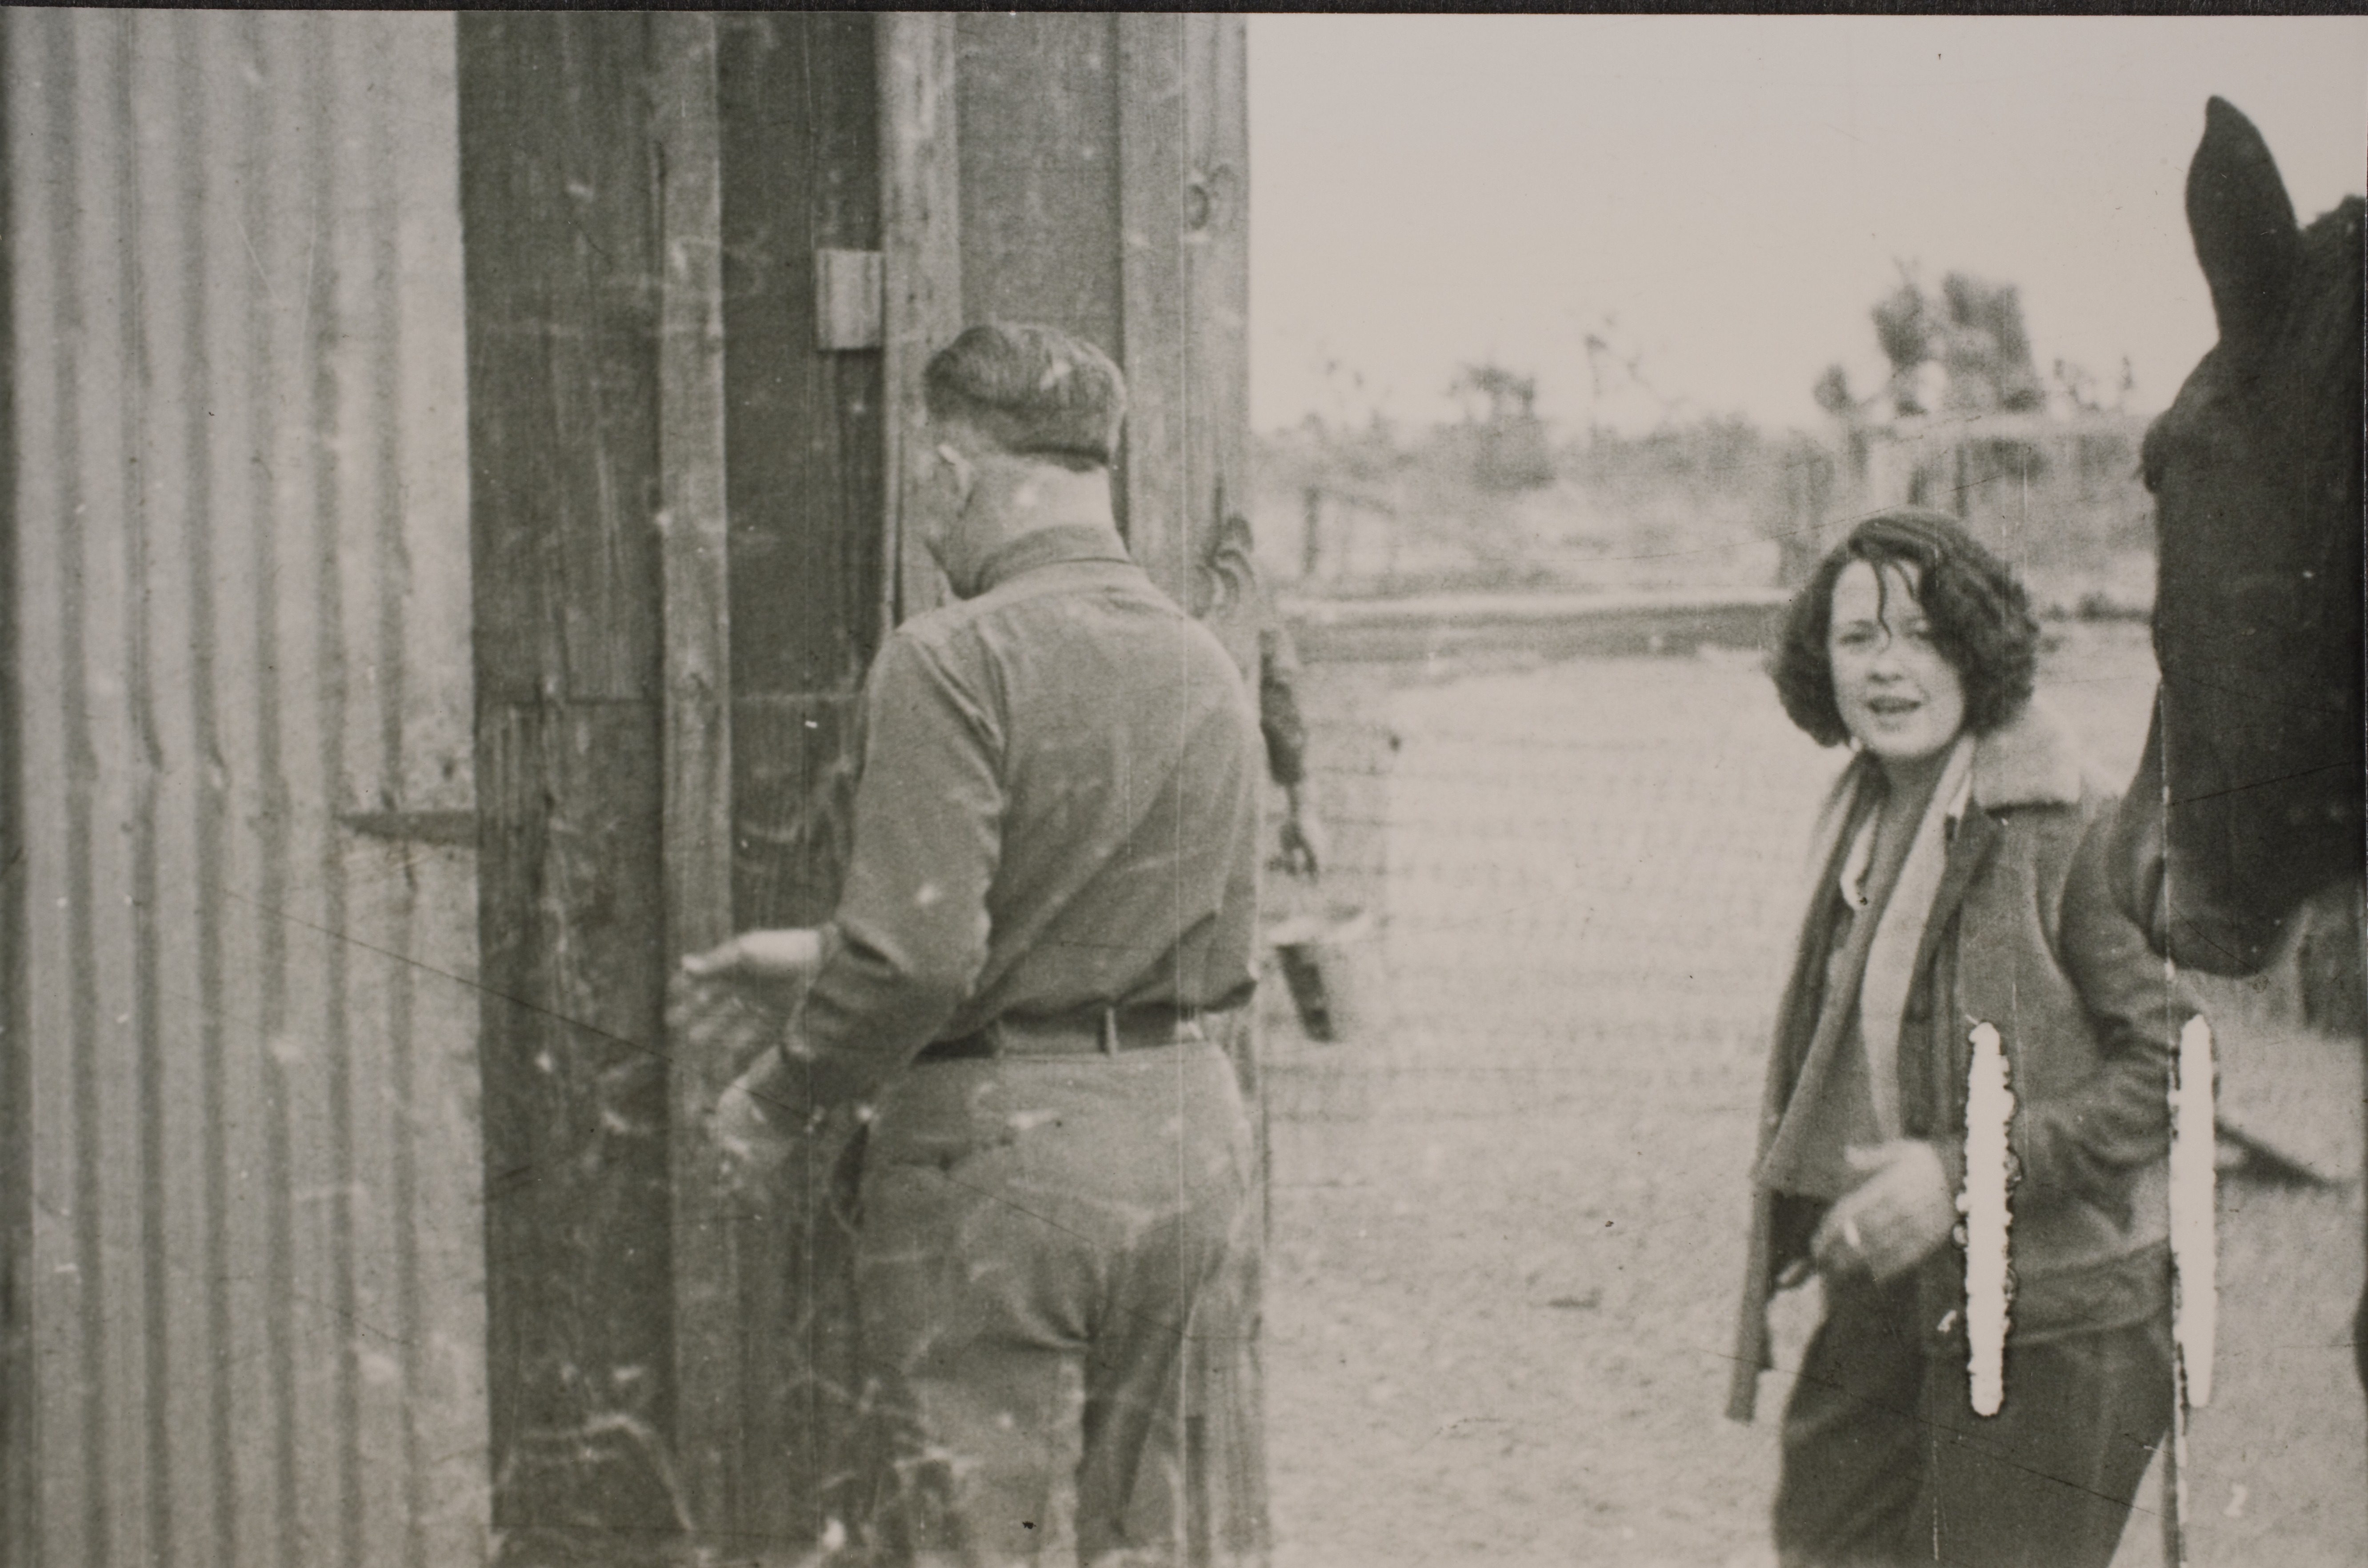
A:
{"points": [[769, 967], [1895, 1219]]}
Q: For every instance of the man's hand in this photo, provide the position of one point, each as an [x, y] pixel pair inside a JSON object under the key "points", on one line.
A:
{"points": [[1303, 838], [769, 967], [752, 1134], [1895, 1219]]}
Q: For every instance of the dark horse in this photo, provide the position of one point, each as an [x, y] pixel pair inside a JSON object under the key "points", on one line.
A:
{"points": [[2255, 475]]}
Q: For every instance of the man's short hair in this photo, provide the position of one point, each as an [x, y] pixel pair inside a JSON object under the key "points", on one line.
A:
{"points": [[1033, 391], [1979, 615]]}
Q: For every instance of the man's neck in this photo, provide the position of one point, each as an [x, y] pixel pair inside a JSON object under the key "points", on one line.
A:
{"points": [[1016, 498]]}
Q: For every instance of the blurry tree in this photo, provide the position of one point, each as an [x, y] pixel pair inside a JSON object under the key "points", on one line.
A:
{"points": [[1903, 328], [1964, 350], [1615, 371], [2077, 386], [1833, 393], [1507, 443], [1356, 449], [2084, 393], [1495, 395]]}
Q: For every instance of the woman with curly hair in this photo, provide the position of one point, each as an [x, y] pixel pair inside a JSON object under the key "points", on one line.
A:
{"points": [[1956, 887]]}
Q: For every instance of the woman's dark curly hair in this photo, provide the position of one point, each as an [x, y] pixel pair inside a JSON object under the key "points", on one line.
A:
{"points": [[1979, 616]]}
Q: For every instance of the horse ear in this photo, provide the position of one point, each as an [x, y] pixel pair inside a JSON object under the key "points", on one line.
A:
{"points": [[2246, 236]]}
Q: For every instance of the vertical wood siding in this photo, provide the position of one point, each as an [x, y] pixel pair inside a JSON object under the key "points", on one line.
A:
{"points": [[1103, 164], [239, 517], [561, 215]]}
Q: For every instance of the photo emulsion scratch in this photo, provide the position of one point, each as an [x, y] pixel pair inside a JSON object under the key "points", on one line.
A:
{"points": [[1987, 1208], [1119, 790]]}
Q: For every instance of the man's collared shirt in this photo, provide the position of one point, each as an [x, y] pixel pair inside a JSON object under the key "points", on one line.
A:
{"points": [[1057, 813]]}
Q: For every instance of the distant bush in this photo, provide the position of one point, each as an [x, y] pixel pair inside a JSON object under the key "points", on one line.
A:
{"points": [[1497, 503]]}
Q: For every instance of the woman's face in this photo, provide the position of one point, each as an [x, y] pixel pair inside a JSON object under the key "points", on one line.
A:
{"points": [[1899, 697]]}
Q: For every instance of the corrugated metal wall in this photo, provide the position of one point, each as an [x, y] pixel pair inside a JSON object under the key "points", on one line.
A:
{"points": [[246, 1085]]}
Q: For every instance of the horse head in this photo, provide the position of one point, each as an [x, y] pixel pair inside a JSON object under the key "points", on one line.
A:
{"points": [[2249, 798]]}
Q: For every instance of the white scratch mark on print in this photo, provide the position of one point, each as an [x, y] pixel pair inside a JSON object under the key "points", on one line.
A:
{"points": [[1989, 1107], [2194, 1245]]}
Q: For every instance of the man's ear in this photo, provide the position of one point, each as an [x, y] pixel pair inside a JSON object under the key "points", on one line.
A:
{"points": [[965, 473]]}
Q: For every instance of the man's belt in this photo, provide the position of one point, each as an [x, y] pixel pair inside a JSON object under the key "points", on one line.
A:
{"points": [[1097, 1031]]}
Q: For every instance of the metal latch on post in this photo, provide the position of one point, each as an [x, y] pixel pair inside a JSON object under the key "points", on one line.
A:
{"points": [[850, 287]]}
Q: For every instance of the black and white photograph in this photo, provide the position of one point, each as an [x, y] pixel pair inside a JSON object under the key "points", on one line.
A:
{"points": [[789, 788]]}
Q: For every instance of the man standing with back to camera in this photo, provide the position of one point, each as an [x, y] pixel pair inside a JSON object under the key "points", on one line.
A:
{"points": [[1052, 880]]}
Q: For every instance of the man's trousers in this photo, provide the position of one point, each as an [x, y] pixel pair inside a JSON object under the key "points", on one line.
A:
{"points": [[1048, 1245]]}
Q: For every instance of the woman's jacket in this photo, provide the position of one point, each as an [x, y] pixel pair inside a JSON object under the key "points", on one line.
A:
{"points": [[2024, 935]]}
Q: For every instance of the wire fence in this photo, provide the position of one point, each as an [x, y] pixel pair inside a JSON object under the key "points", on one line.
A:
{"points": [[1508, 1210]]}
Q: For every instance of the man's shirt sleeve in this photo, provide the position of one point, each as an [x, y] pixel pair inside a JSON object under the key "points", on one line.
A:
{"points": [[1278, 697], [910, 936]]}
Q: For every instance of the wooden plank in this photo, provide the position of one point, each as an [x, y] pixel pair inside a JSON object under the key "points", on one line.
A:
{"points": [[1155, 301], [558, 202], [797, 108], [559, 210], [1217, 264], [19, 1386], [793, 759], [920, 169], [1038, 95], [1230, 1501], [799, 121], [695, 846], [574, 1109]]}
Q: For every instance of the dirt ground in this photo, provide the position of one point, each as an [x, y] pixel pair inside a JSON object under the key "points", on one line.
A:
{"points": [[1508, 1228]]}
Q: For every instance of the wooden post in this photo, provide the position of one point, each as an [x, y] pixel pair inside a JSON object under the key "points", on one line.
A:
{"points": [[696, 825], [920, 225], [1215, 245], [559, 226], [1154, 299]]}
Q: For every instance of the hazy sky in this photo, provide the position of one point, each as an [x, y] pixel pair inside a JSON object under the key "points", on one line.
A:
{"points": [[1735, 193]]}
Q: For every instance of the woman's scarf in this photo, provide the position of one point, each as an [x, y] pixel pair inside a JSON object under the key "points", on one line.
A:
{"points": [[1900, 933], [1882, 958]]}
